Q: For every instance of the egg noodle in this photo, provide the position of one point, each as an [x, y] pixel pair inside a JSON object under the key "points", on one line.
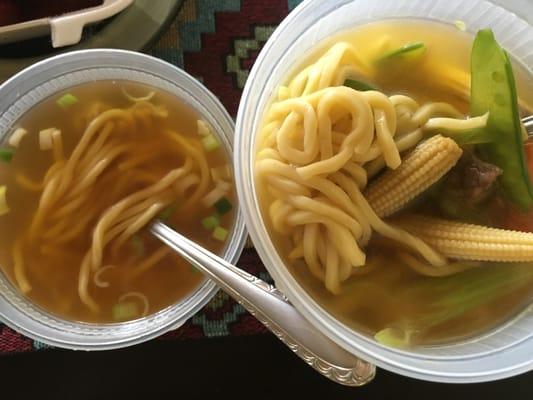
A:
{"points": [[320, 143], [106, 165]]}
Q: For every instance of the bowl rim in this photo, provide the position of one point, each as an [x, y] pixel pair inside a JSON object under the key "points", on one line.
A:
{"points": [[110, 336], [259, 86]]}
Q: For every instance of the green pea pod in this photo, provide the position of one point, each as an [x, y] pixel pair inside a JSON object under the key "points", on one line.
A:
{"points": [[493, 89]]}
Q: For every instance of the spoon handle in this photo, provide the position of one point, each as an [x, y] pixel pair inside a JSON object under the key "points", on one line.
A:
{"points": [[272, 308]]}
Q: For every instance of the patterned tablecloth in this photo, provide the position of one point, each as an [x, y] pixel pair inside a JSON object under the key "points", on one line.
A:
{"points": [[217, 42]]}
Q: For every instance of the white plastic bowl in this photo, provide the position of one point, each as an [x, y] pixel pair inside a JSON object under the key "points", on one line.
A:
{"points": [[56, 74], [500, 353]]}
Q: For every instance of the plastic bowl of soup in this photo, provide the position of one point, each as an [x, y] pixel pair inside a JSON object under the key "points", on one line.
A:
{"points": [[95, 145], [315, 129]]}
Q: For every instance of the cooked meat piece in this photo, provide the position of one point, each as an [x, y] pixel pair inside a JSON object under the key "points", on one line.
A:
{"points": [[473, 179]]}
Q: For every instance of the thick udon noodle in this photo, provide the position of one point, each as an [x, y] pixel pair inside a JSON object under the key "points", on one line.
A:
{"points": [[319, 144], [105, 157]]}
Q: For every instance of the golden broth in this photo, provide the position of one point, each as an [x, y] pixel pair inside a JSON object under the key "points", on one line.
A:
{"points": [[381, 293], [54, 271]]}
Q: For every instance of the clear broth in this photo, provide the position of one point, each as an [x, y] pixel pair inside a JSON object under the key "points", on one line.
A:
{"points": [[381, 294], [55, 278]]}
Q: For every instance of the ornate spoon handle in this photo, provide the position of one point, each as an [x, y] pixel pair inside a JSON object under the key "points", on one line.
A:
{"points": [[272, 308]]}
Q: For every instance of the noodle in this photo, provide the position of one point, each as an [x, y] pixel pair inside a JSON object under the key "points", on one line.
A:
{"points": [[320, 143], [66, 206], [79, 194]]}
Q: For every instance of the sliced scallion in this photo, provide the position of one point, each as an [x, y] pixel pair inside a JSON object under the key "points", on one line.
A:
{"points": [[223, 206], [408, 50], [167, 212], [194, 270], [358, 85], [203, 128], [67, 100], [220, 233], [211, 222], [6, 155], [210, 143], [46, 138], [460, 25], [124, 311]]}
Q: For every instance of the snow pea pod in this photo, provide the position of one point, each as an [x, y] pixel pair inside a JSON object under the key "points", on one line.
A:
{"points": [[493, 90]]}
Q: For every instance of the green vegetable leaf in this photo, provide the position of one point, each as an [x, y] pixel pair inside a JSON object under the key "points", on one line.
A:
{"points": [[493, 90]]}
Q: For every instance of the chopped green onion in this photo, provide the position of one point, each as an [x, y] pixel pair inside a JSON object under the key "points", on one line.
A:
{"points": [[211, 222], [138, 245], [6, 155], [223, 206], [124, 311], [210, 143], [67, 100], [453, 297], [358, 85], [16, 137], [409, 49], [46, 138], [194, 270], [203, 128], [460, 25], [4, 209], [167, 212], [220, 233]]}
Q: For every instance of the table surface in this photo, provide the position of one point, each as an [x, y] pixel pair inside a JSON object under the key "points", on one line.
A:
{"points": [[216, 41]]}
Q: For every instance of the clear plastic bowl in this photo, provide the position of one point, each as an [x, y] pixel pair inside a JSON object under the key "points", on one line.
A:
{"points": [[50, 76], [499, 353]]}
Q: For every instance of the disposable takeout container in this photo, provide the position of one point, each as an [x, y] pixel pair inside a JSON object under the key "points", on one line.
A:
{"points": [[46, 78], [65, 29], [502, 352]]}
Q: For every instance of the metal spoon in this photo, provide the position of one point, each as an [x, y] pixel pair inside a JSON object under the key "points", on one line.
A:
{"points": [[528, 124], [273, 309]]}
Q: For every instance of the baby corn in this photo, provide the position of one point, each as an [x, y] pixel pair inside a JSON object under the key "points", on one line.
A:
{"points": [[462, 241], [421, 168]]}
